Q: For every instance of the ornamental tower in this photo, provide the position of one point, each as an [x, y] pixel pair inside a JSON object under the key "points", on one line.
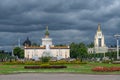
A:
{"points": [[47, 33], [99, 38], [99, 42], [47, 40]]}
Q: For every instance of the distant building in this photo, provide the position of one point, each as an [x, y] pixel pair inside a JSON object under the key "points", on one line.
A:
{"points": [[60, 52], [99, 43], [113, 49]]}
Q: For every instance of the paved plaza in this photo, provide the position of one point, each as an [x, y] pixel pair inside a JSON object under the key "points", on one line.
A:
{"points": [[57, 76]]}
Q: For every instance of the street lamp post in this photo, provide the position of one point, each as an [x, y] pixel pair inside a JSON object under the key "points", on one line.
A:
{"points": [[117, 38]]}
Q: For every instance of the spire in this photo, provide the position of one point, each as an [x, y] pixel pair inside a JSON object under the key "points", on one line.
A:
{"points": [[47, 33], [19, 42], [27, 38], [46, 28], [99, 28]]}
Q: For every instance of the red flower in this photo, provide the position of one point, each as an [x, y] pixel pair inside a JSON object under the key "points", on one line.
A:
{"points": [[106, 69]]}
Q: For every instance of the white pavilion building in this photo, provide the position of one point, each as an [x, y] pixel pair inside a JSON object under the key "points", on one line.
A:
{"points": [[31, 52]]}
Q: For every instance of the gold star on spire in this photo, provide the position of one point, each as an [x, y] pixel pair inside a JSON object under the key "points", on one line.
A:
{"points": [[99, 28], [46, 28]]}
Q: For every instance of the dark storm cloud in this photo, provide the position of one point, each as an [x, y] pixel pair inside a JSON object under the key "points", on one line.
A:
{"points": [[77, 18]]}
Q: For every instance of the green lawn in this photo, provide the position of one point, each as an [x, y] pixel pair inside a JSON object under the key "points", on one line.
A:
{"points": [[71, 68]]}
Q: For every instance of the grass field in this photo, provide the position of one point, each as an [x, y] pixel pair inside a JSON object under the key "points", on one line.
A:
{"points": [[71, 68]]}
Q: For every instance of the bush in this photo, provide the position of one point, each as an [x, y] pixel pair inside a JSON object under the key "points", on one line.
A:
{"points": [[45, 67], [106, 61], [45, 59], [14, 63], [31, 67], [61, 62], [116, 62], [23, 63], [32, 63]]}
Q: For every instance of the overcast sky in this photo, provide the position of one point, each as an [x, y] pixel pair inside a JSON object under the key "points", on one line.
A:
{"points": [[68, 20]]}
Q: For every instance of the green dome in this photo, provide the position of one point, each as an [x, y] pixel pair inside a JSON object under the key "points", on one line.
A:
{"points": [[46, 33]]}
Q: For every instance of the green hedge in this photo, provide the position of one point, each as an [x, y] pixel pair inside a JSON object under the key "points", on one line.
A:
{"points": [[23, 63], [60, 62], [107, 61], [45, 67]]}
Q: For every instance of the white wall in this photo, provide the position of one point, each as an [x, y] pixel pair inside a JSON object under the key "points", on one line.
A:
{"points": [[29, 53]]}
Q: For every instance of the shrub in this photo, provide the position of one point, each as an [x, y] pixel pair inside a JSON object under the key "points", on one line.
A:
{"points": [[45, 59], [31, 67], [116, 62], [22, 63], [106, 61], [45, 67], [14, 63], [42, 65], [61, 62]]}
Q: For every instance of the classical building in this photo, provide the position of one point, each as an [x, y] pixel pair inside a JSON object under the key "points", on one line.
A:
{"points": [[31, 52], [99, 43]]}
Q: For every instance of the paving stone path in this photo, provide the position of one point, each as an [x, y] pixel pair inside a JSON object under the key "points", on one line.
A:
{"points": [[57, 76]]}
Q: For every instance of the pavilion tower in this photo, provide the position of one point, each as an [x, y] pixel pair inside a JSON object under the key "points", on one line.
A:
{"points": [[99, 42], [99, 38], [47, 40]]}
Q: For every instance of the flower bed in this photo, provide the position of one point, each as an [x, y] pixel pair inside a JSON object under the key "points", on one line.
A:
{"points": [[106, 69], [45, 67]]}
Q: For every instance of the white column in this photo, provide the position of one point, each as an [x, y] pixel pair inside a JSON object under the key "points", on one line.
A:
{"points": [[117, 38]]}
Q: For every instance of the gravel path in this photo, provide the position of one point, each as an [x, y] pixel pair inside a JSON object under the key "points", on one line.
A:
{"points": [[57, 76]]}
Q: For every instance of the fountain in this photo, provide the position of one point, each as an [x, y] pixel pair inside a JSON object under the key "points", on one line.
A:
{"points": [[47, 52]]}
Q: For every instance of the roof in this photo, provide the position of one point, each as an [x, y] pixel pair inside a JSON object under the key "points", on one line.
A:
{"points": [[43, 47], [27, 42]]}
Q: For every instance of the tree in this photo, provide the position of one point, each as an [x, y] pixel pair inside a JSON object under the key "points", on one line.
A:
{"points": [[82, 50], [73, 50], [60, 45], [4, 56], [91, 45], [78, 50], [34, 44], [18, 52]]}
